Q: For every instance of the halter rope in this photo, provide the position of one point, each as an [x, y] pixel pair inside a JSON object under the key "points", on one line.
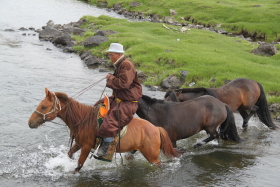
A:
{"points": [[54, 109]]}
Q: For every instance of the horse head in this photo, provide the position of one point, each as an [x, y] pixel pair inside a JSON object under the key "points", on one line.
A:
{"points": [[172, 96], [47, 109]]}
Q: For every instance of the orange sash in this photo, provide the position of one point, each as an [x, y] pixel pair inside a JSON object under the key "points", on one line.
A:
{"points": [[105, 107]]}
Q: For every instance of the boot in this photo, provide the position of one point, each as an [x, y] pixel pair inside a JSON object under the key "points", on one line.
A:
{"points": [[103, 149]]}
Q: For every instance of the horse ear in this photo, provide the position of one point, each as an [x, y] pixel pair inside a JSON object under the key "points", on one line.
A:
{"points": [[48, 94], [179, 92]]}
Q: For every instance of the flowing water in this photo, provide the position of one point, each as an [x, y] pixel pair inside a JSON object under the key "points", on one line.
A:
{"points": [[38, 157]]}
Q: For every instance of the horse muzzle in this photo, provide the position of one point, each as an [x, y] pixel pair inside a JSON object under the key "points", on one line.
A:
{"points": [[36, 124]]}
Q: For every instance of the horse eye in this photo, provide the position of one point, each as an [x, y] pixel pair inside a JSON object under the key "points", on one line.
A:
{"points": [[43, 107]]}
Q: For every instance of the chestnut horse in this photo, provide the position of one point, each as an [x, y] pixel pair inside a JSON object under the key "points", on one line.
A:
{"points": [[82, 121], [245, 95], [184, 119]]}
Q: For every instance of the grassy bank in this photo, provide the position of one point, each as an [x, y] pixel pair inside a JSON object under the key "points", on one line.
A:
{"points": [[258, 18], [160, 52]]}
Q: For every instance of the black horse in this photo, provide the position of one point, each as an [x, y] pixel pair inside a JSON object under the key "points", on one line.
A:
{"points": [[184, 119], [245, 95]]}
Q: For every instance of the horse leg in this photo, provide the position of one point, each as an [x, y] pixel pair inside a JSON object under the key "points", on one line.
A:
{"points": [[83, 156], [212, 136], [73, 150], [151, 150], [130, 155], [246, 117], [151, 153]]}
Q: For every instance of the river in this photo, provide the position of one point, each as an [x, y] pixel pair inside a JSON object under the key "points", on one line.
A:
{"points": [[38, 157]]}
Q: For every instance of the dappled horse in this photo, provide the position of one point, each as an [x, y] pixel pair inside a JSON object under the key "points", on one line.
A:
{"points": [[184, 119], [82, 121], [245, 95]]}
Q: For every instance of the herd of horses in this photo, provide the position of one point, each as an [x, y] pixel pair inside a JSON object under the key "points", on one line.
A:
{"points": [[181, 114]]}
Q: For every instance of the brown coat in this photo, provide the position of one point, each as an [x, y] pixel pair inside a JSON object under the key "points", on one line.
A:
{"points": [[126, 86]]}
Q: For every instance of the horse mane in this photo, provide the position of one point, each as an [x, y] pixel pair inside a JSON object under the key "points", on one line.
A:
{"points": [[63, 97], [152, 101], [168, 93], [201, 90], [77, 115]]}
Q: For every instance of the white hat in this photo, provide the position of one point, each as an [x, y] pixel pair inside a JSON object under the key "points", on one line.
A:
{"points": [[116, 48]]}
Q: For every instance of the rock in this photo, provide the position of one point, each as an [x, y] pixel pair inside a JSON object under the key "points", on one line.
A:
{"points": [[50, 23], [101, 4], [141, 74], [94, 41], [274, 107], [155, 18], [79, 23], [265, 49], [135, 4], [183, 75], [74, 30], [49, 33], [117, 6], [103, 70], [105, 32], [91, 60], [221, 31], [63, 39], [168, 20], [68, 50], [85, 54], [172, 12], [9, 30], [152, 88], [23, 29], [171, 82]]}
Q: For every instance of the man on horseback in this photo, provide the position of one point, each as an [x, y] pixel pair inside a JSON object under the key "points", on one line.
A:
{"points": [[127, 90]]}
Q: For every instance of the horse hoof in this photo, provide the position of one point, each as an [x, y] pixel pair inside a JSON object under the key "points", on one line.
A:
{"points": [[197, 145], [70, 155], [129, 156], [245, 126], [273, 127], [77, 169], [180, 150]]}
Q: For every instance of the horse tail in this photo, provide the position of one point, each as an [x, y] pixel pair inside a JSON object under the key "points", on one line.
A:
{"points": [[166, 145], [262, 111], [228, 128]]}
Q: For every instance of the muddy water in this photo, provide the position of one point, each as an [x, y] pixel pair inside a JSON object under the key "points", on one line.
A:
{"points": [[38, 157]]}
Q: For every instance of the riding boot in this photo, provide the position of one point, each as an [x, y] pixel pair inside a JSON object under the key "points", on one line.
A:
{"points": [[103, 149]]}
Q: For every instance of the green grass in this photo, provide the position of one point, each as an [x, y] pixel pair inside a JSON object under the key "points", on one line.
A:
{"points": [[259, 17], [160, 52]]}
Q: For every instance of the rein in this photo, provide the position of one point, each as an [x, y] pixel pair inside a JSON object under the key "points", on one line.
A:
{"points": [[55, 109]]}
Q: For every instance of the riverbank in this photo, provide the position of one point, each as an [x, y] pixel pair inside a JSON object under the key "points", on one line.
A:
{"points": [[257, 20]]}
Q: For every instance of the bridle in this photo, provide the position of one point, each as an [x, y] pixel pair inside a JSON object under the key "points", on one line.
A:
{"points": [[56, 107]]}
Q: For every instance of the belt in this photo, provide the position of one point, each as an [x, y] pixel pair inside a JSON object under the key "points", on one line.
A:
{"points": [[119, 100]]}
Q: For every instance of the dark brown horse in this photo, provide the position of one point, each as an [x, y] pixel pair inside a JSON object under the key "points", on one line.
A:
{"points": [[184, 119], [82, 121], [245, 95]]}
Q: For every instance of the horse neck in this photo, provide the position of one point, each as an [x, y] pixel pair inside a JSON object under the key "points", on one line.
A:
{"points": [[149, 111], [75, 114], [142, 109], [212, 91]]}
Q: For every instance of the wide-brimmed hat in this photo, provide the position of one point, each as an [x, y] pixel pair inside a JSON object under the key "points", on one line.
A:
{"points": [[116, 48]]}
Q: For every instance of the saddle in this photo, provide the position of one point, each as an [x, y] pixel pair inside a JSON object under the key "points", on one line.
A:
{"points": [[103, 110]]}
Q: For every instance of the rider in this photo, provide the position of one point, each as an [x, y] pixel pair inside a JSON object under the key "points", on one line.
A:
{"points": [[127, 90]]}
